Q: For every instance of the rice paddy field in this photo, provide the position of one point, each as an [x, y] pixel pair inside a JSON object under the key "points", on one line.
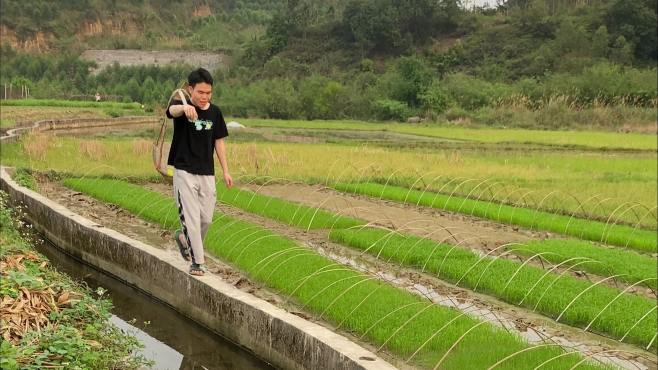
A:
{"points": [[438, 247]]}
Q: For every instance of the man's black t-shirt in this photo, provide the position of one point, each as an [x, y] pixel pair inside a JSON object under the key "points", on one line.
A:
{"points": [[194, 142]]}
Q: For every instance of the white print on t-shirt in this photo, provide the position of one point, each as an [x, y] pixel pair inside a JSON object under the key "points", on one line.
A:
{"points": [[200, 124]]}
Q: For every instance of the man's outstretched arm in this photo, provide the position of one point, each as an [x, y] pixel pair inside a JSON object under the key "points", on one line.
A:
{"points": [[180, 109]]}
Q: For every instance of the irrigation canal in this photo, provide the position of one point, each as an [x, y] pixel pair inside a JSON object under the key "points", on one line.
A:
{"points": [[169, 339]]}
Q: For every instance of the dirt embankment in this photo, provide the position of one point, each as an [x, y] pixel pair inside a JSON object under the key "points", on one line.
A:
{"points": [[28, 115], [433, 224], [105, 58]]}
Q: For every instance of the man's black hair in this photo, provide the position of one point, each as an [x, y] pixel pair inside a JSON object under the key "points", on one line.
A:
{"points": [[199, 75]]}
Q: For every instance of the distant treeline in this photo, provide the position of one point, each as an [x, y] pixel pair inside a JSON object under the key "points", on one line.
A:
{"points": [[392, 59], [53, 76], [408, 87]]}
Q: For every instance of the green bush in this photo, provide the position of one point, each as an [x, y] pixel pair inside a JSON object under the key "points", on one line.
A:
{"points": [[23, 177], [322, 98], [472, 93], [434, 100], [386, 109], [605, 83], [113, 112], [275, 98], [457, 114]]}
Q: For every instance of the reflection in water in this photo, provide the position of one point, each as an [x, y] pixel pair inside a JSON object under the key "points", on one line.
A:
{"points": [[165, 357]]}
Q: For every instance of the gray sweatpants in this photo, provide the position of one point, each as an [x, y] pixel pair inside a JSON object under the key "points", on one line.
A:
{"points": [[195, 198]]}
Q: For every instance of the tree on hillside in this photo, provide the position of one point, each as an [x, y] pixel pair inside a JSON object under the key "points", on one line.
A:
{"points": [[636, 21], [448, 15], [533, 19], [569, 38], [600, 43], [415, 17], [553, 6], [373, 24], [621, 51]]}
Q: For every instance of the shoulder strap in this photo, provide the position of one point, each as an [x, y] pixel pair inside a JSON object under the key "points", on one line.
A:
{"points": [[181, 94], [158, 145]]}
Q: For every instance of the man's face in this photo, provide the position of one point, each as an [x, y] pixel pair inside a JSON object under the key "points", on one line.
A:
{"points": [[200, 94]]}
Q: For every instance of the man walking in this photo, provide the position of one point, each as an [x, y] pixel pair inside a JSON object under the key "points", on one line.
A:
{"points": [[199, 130]]}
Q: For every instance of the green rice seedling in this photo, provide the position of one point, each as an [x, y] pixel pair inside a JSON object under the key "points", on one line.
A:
{"points": [[280, 210], [620, 260], [532, 287], [566, 299], [630, 266], [130, 197], [333, 291], [619, 235], [415, 330]]}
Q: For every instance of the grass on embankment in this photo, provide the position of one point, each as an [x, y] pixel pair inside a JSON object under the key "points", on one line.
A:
{"points": [[554, 295], [399, 321], [73, 330], [631, 266], [283, 211], [619, 235]]}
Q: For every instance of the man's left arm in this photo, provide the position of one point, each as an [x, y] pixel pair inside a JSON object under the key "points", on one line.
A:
{"points": [[220, 150]]}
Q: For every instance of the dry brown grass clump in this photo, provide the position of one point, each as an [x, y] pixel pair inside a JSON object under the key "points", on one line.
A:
{"points": [[36, 145], [30, 309], [93, 149], [142, 147]]}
